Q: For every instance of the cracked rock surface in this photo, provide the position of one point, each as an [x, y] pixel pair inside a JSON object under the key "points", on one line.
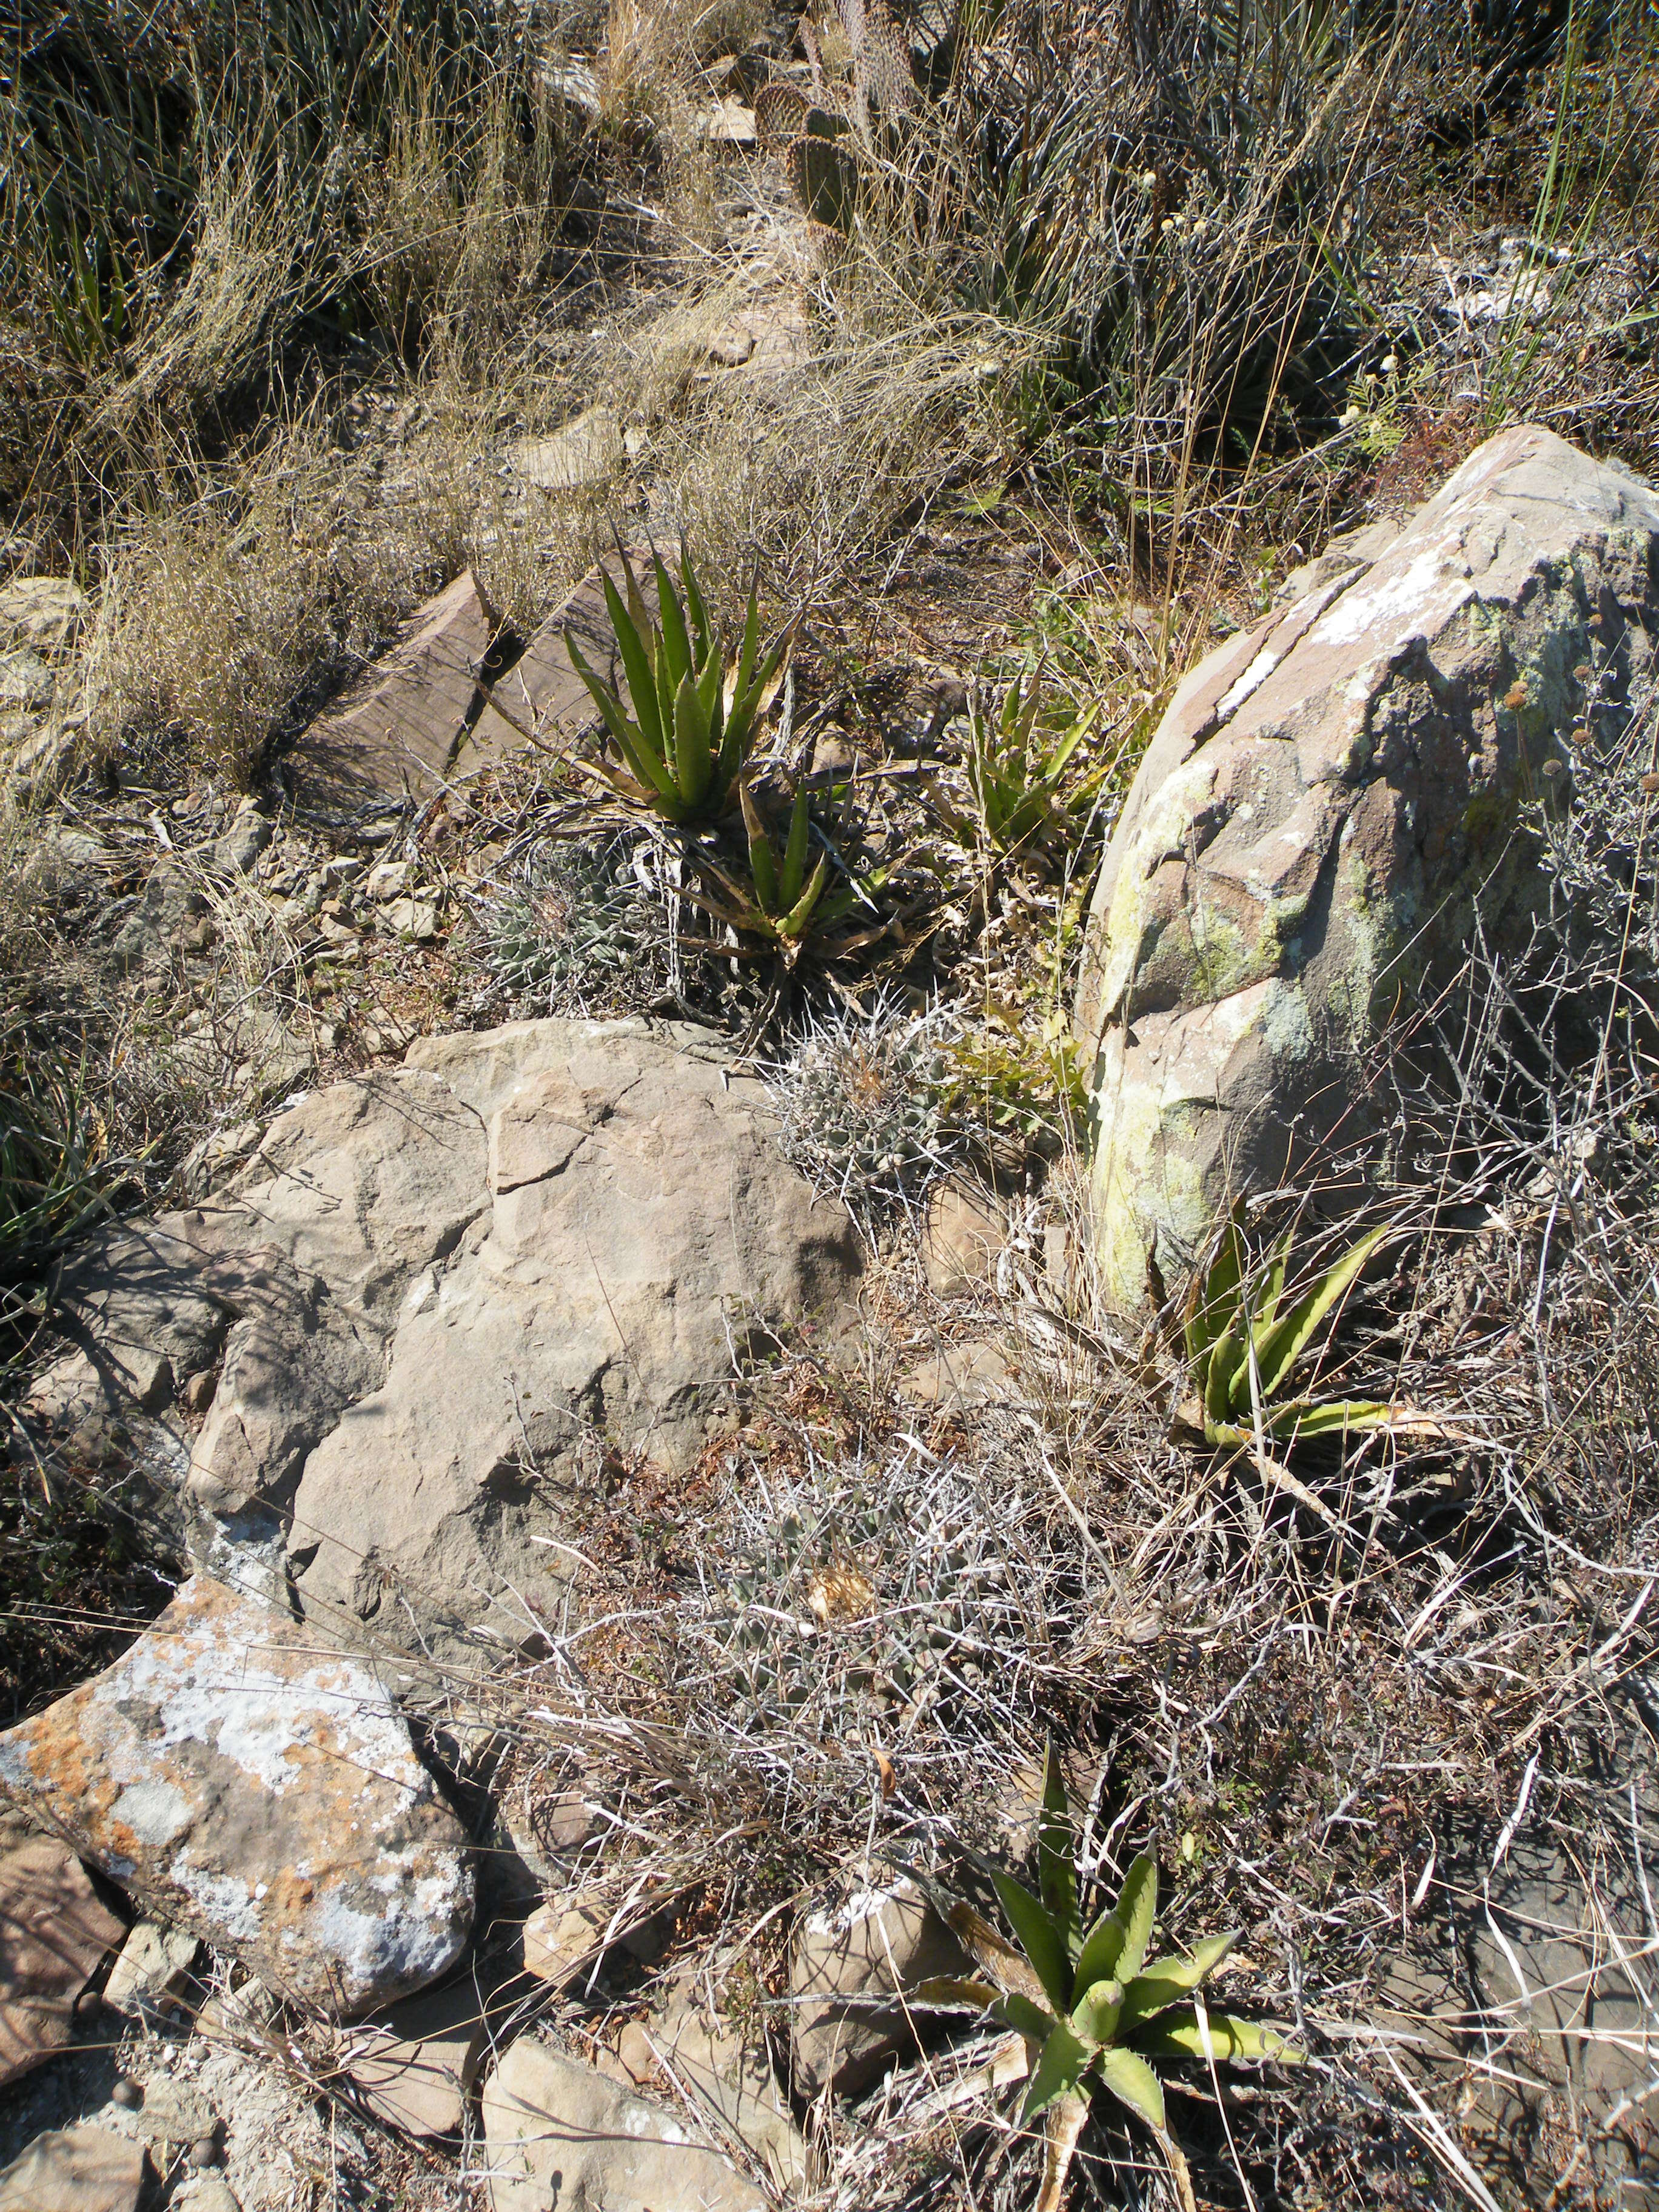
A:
{"points": [[438, 1296]]}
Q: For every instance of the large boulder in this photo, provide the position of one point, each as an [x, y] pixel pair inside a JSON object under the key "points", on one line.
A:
{"points": [[261, 1791], [1330, 796], [440, 1295]]}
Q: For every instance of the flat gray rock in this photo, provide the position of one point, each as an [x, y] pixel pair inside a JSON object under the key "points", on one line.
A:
{"points": [[563, 2137]]}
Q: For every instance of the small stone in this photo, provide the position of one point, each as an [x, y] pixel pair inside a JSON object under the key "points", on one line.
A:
{"points": [[395, 731], [204, 2153], [414, 918], [154, 1965], [174, 2112], [634, 2050], [585, 451], [83, 2169], [198, 1393], [416, 2063], [200, 935], [42, 765], [563, 2134], [850, 1962], [54, 1930], [964, 1231], [958, 1377], [249, 833], [211, 2193], [387, 879], [562, 1942], [127, 2094], [25, 680], [730, 2076], [40, 612]]}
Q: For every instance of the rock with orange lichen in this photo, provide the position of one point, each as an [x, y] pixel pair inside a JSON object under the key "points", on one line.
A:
{"points": [[258, 1786]]}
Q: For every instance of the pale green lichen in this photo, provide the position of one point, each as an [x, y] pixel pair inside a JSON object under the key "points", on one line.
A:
{"points": [[1160, 834]]}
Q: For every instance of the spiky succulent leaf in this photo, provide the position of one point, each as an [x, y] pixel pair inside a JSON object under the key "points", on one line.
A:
{"points": [[1278, 1350], [1304, 1418], [1096, 2016], [1134, 2083], [1039, 1937], [956, 1993], [1180, 2035], [794, 856], [637, 666], [1136, 1908], [696, 608], [1167, 1979], [653, 775], [1213, 1300], [1063, 2061], [1103, 1947], [675, 643], [984, 1944], [1056, 1850], [694, 764], [761, 866]]}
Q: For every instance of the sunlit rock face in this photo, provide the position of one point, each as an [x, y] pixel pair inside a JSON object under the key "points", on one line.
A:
{"points": [[1331, 800]]}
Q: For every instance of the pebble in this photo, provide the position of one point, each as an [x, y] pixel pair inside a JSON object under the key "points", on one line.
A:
{"points": [[127, 2094], [204, 2153]]}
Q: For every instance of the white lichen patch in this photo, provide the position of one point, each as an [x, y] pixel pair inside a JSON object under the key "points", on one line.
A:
{"points": [[1378, 609], [231, 1687]]}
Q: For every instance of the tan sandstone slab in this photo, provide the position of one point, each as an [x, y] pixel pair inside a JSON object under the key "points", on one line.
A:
{"points": [[84, 2169], [256, 1785], [541, 695], [417, 2061], [562, 2135], [54, 1930], [395, 733], [641, 1224]]}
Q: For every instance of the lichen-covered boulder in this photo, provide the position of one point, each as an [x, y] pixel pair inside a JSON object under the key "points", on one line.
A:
{"points": [[1328, 800], [258, 1787]]}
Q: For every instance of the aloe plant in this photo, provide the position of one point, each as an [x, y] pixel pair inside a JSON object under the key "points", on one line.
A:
{"points": [[1015, 767], [1241, 1341], [780, 901], [1093, 2011], [694, 712]]}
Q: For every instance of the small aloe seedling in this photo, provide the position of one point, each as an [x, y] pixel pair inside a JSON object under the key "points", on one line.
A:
{"points": [[1015, 765], [1241, 1341], [695, 711], [1092, 2010], [780, 901]]}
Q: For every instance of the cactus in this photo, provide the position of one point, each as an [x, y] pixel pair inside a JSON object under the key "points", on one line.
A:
{"points": [[861, 1101], [780, 112], [824, 175]]}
